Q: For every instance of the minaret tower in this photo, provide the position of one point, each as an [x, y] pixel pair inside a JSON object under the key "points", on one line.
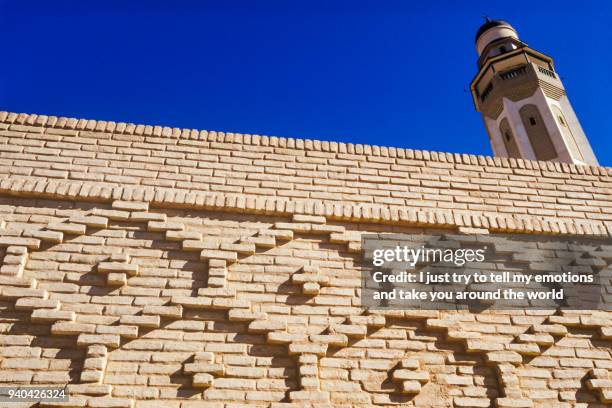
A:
{"points": [[523, 102]]}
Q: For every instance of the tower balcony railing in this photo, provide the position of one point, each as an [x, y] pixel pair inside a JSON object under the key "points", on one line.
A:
{"points": [[486, 92], [513, 73], [547, 72]]}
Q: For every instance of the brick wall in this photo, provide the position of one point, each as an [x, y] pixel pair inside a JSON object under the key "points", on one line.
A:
{"points": [[46, 148], [150, 266]]}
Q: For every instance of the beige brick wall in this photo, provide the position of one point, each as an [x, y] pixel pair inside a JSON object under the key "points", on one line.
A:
{"points": [[150, 266]]}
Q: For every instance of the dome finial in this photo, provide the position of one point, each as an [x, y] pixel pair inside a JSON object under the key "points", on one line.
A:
{"points": [[489, 23]]}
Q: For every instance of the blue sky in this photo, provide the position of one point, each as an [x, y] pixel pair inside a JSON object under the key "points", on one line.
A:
{"points": [[392, 73]]}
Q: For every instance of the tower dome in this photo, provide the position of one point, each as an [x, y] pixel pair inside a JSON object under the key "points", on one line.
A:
{"points": [[493, 30]]}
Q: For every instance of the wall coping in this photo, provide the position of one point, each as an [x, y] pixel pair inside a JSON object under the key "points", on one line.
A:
{"points": [[90, 125]]}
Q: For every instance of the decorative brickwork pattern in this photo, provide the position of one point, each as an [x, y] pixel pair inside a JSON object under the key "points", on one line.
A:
{"points": [[149, 266]]}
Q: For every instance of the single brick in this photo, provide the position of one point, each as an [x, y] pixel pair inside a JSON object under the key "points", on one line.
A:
{"points": [[471, 402], [118, 267], [164, 311], [245, 315], [36, 303], [90, 221], [504, 357], [411, 387], [267, 325], [217, 369], [411, 375], [165, 226], [46, 315], [116, 279], [67, 228], [110, 340], [513, 403], [130, 205], [142, 321], [225, 255], [202, 380], [308, 348]]}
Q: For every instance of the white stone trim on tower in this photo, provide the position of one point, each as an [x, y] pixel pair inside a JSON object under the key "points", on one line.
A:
{"points": [[494, 34]]}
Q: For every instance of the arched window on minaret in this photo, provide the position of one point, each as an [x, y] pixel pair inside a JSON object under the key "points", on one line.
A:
{"points": [[566, 131], [509, 140], [538, 136]]}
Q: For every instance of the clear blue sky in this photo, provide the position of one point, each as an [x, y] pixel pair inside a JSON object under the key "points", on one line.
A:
{"points": [[379, 72]]}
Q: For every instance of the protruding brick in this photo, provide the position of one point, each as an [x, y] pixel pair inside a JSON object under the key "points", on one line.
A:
{"points": [[411, 387], [217, 369], [267, 325], [245, 315], [314, 396], [16, 293], [46, 315], [142, 321], [67, 228], [110, 340], [225, 255], [36, 303], [90, 221], [130, 205], [183, 235], [202, 380], [311, 288], [504, 357], [513, 403], [69, 328], [336, 340], [164, 311], [308, 348], [471, 402], [116, 279], [351, 330], [118, 267], [411, 375], [165, 226]]}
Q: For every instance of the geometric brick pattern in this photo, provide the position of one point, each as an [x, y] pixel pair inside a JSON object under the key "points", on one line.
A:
{"points": [[151, 266]]}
